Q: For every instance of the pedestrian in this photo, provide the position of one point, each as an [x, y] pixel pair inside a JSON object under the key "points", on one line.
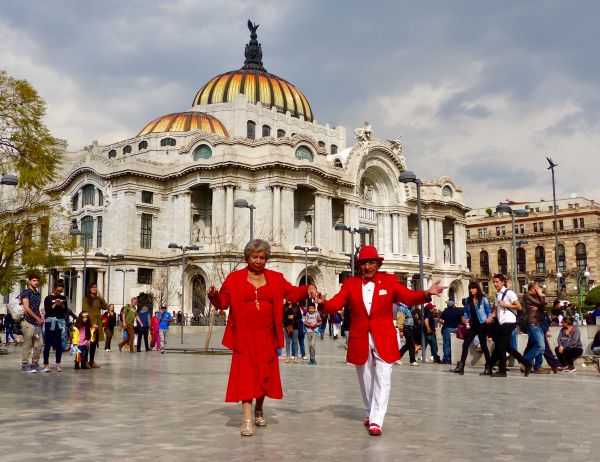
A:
{"points": [[405, 322], [535, 302], [291, 324], [255, 297], [164, 319], [302, 332], [83, 335], [346, 325], [505, 311], [450, 318], [430, 333], [373, 345], [56, 314], [9, 327], [312, 321], [569, 344], [547, 354], [337, 324], [154, 327], [109, 320], [143, 328], [94, 304], [31, 325], [323, 325], [477, 317], [128, 320]]}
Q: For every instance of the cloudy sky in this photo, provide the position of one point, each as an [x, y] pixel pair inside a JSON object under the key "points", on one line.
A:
{"points": [[479, 90]]}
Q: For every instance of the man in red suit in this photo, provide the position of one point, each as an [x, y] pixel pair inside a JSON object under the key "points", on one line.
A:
{"points": [[372, 344]]}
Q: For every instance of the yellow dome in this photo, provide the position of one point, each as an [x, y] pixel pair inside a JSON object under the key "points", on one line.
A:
{"points": [[256, 84], [185, 122]]}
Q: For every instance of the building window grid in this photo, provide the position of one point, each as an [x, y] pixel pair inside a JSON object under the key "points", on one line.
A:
{"points": [[562, 260], [88, 193], [521, 261], [581, 256], [250, 130], [87, 228], [144, 276], [99, 232], [146, 231], [147, 197], [266, 131], [484, 263], [502, 261], [540, 259]]}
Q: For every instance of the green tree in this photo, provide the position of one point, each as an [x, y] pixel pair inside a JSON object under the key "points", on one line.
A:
{"points": [[593, 297], [28, 238]]}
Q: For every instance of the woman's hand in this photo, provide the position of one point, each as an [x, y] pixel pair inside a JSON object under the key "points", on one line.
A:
{"points": [[212, 292], [436, 289], [313, 292]]}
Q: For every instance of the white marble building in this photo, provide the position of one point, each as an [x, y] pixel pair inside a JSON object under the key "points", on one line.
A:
{"points": [[251, 135]]}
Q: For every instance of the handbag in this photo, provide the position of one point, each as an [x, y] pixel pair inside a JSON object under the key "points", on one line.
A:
{"points": [[290, 329], [461, 332]]}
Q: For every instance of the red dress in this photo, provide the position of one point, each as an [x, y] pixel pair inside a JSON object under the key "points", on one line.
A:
{"points": [[254, 366]]}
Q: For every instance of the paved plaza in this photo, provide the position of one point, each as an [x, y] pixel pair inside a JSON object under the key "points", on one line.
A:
{"points": [[170, 407]]}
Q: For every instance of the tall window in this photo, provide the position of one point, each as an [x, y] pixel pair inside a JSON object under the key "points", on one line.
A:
{"points": [[521, 261], [321, 144], [540, 259], [100, 198], [87, 227], [484, 263], [469, 261], [88, 192], [280, 133], [147, 197], [562, 259], [142, 145], [127, 149], [112, 153], [502, 262], [266, 131], [144, 276], [146, 231], [334, 149], [99, 232], [251, 130], [581, 256]]}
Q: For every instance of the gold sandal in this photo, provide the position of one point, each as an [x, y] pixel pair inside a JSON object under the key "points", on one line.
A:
{"points": [[259, 419], [247, 428]]}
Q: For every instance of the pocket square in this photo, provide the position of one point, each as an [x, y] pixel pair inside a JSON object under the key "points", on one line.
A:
{"points": [[383, 292]]}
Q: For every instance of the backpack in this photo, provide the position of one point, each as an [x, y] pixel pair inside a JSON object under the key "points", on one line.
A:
{"points": [[15, 307]]}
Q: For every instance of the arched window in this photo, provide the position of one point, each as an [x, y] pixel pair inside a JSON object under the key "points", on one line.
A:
{"points": [[447, 192], [521, 261], [280, 133], [127, 149], [75, 202], [540, 259], [251, 129], [469, 261], [333, 149], [202, 152], [168, 142], [562, 259], [502, 262], [484, 263], [337, 163], [581, 256], [87, 228], [322, 144], [88, 195], [112, 153], [303, 153], [142, 145], [266, 131]]}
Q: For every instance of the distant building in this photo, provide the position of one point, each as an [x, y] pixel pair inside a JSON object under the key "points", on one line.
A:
{"points": [[489, 244]]}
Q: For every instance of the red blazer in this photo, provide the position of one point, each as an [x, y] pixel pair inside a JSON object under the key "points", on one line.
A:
{"points": [[230, 297], [380, 323]]}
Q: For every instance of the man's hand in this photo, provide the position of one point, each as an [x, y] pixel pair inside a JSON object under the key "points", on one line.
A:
{"points": [[548, 334], [212, 292], [436, 289], [312, 291]]}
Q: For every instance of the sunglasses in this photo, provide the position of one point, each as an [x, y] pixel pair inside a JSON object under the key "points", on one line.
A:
{"points": [[370, 262]]}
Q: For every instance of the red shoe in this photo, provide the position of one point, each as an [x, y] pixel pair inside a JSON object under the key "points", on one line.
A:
{"points": [[375, 430], [366, 422]]}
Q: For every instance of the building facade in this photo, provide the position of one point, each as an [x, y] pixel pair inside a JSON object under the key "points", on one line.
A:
{"points": [[249, 135], [489, 245]]}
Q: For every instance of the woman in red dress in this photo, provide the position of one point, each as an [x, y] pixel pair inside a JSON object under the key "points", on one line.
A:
{"points": [[254, 330]]}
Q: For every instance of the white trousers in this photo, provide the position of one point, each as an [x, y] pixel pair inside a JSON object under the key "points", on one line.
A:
{"points": [[375, 380]]}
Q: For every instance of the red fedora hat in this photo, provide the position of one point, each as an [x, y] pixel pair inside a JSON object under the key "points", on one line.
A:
{"points": [[368, 252]]}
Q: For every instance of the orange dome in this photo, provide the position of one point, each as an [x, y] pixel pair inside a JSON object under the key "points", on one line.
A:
{"points": [[185, 122]]}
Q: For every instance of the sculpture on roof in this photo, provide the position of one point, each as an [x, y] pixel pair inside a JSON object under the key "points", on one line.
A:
{"points": [[364, 134], [253, 51]]}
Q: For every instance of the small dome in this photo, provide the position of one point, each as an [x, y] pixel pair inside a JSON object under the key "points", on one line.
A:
{"points": [[256, 84], [185, 122]]}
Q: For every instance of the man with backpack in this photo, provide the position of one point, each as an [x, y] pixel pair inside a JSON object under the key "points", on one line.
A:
{"points": [[505, 313], [32, 325]]}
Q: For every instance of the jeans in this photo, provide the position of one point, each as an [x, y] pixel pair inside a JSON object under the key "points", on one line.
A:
{"points": [[129, 340], [568, 355], [503, 345], [301, 342], [312, 343], [142, 333], [409, 343], [32, 342], [162, 333], [291, 340], [536, 335], [476, 332], [52, 338], [446, 345], [10, 333], [431, 340], [108, 332]]}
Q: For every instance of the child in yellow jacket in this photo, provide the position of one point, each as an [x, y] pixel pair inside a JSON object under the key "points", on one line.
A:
{"points": [[83, 334]]}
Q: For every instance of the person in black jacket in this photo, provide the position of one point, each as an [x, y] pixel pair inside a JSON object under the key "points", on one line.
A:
{"points": [[109, 319], [292, 320]]}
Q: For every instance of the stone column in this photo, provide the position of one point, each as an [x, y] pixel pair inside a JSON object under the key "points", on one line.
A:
{"points": [[100, 282], [456, 247], [347, 222], [130, 223], [229, 214], [318, 221], [439, 241], [387, 233], [287, 218], [404, 245], [323, 222], [380, 233], [218, 214], [185, 207], [276, 215], [432, 237], [395, 234]]}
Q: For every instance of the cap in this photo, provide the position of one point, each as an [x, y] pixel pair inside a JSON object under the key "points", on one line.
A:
{"points": [[368, 252], [450, 304], [429, 306], [162, 305]]}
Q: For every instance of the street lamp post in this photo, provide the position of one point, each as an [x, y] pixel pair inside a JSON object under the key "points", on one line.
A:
{"points": [[352, 231], [586, 274], [409, 177], [306, 249], [123, 270], [243, 204], [110, 258], [551, 167], [75, 231], [183, 248], [503, 208]]}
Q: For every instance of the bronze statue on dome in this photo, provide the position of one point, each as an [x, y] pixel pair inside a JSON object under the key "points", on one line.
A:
{"points": [[253, 51]]}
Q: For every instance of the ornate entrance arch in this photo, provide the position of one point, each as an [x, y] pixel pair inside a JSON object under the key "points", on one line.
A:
{"points": [[198, 295]]}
